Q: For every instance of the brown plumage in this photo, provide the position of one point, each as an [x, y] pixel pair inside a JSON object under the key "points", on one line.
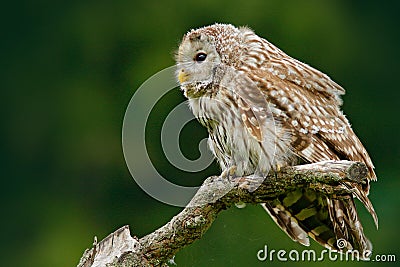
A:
{"points": [[264, 109]]}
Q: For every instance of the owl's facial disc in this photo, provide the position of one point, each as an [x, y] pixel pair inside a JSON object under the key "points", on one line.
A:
{"points": [[197, 59]]}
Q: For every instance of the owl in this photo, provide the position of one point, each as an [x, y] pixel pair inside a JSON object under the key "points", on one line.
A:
{"points": [[265, 110]]}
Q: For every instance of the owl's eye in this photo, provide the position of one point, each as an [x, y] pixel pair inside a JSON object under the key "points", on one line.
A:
{"points": [[200, 57]]}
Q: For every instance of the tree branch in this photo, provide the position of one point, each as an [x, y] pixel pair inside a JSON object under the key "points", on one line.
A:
{"points": [[216, 194]]}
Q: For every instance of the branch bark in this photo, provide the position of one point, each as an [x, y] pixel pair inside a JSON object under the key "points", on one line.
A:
{"points": [[119, 249]]}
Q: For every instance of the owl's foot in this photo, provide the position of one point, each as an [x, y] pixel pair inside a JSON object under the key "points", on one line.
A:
{"points": [[251, 182], [229, 173]]}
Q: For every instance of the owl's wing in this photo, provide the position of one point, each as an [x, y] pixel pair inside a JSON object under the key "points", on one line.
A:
{"points": [[307, 102], [319, 129]]}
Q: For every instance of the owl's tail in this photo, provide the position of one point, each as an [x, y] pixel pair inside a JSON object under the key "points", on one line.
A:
{"points": [[333, 223]]}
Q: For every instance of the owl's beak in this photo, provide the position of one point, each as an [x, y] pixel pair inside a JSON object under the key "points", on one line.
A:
{"points": [[182, 76]]}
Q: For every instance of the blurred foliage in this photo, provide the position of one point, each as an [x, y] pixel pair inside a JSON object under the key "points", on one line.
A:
{"points": [[69, 69]]}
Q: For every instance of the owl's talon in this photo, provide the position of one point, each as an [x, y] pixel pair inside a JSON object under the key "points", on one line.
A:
{"points": [[232, 170], [278, 167], [229, 173]]}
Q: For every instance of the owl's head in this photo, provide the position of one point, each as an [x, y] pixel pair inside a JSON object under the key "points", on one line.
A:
{"points": [[203, 50]]}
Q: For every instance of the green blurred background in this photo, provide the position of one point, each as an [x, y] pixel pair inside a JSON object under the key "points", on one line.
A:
{"points": [[69, 69]]}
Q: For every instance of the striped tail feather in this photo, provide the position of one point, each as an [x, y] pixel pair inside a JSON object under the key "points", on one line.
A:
{"points": [[305, 212], [346, 224]]}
